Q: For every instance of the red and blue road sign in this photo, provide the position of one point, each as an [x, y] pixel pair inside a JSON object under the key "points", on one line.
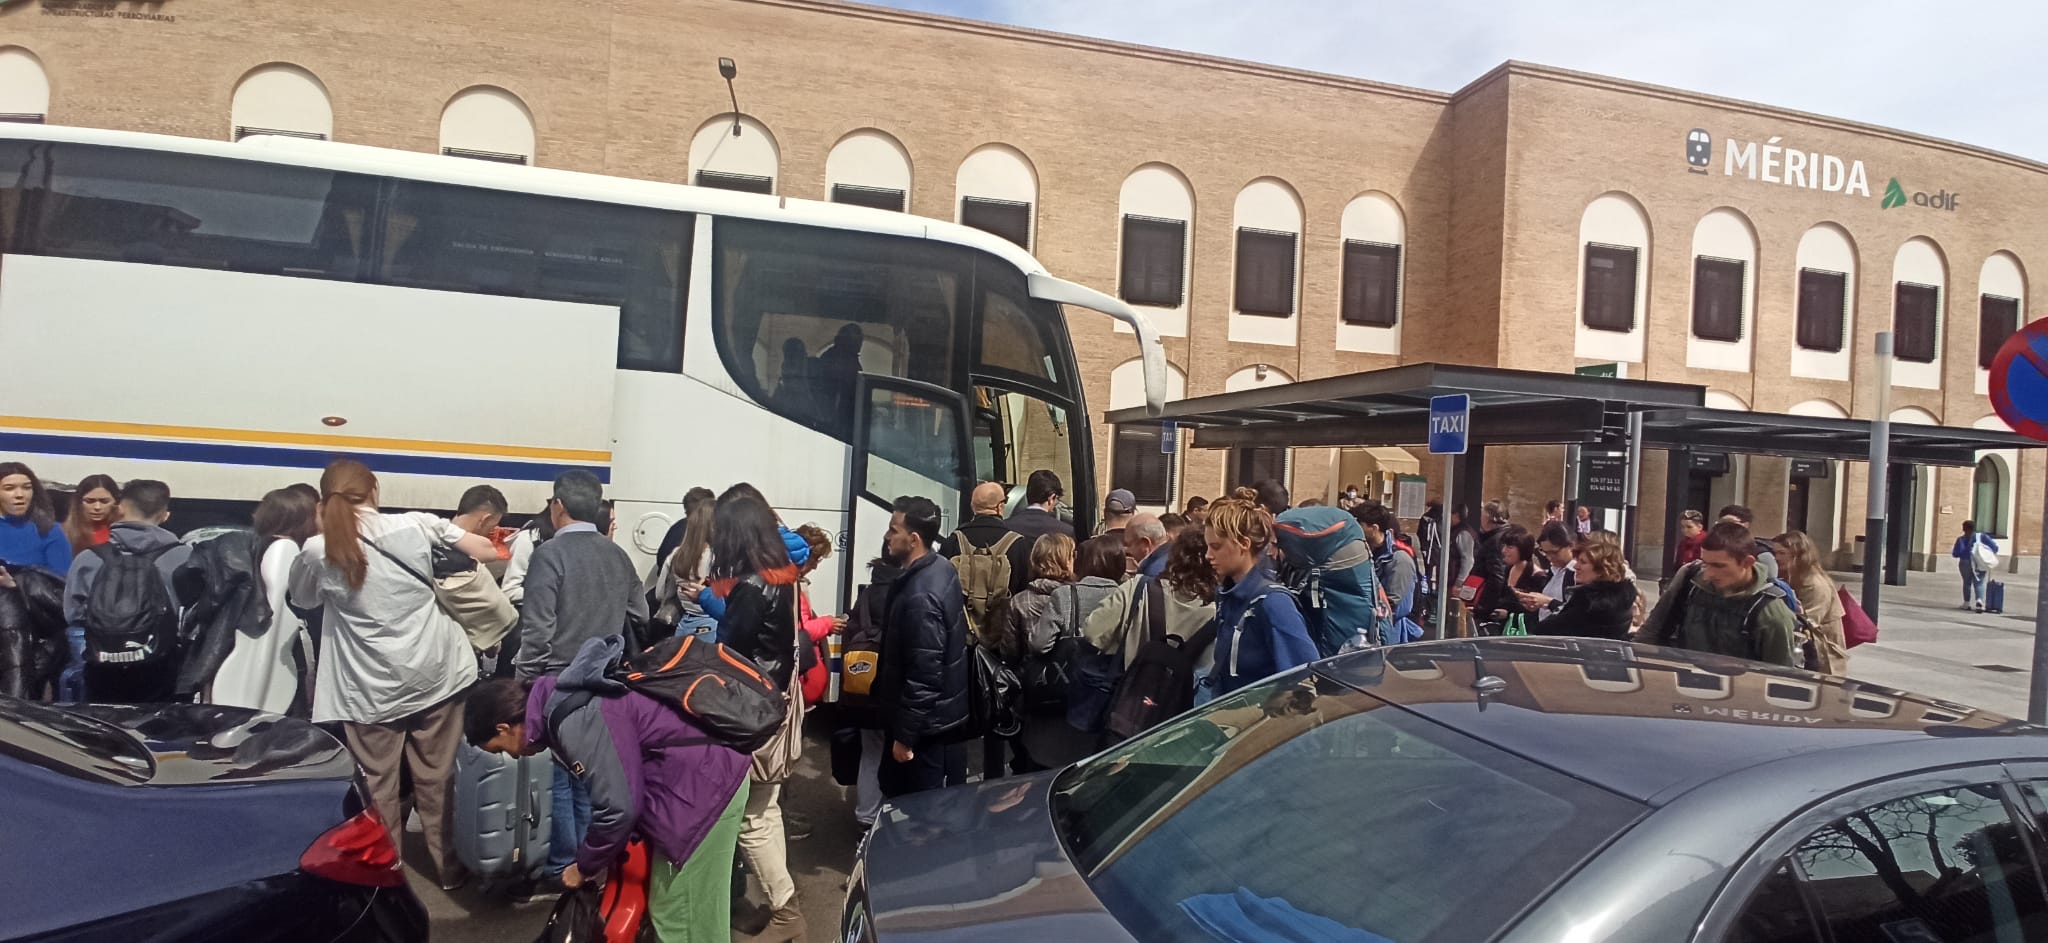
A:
{"points": [[2019, 381]]}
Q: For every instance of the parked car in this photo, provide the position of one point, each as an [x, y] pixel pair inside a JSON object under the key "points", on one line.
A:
{"points": [[1518, 790], [189, 822]]}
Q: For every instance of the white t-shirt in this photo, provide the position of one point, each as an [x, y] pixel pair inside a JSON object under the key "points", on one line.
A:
{"points": [[388, 651]]}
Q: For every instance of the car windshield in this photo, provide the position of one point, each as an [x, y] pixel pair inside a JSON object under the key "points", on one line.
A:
{"points": [[1304, 809], [71, 744]]}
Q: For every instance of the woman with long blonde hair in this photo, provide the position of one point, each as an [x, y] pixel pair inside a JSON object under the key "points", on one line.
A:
{"points": [[1819, 599], [392, 664]]}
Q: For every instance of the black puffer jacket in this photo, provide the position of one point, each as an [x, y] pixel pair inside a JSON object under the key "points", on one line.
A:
{"points": [[922, 685], [225, 601], [760, 623]]}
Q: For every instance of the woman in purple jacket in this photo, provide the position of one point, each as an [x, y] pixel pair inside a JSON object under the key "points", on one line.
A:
{"points": [[650, 772]]}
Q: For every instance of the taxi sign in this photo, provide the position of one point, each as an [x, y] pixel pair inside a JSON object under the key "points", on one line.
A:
{"points": [[1450, 423]]}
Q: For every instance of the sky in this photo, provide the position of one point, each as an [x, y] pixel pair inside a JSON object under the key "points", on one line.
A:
{"points": [[1974, 71]]}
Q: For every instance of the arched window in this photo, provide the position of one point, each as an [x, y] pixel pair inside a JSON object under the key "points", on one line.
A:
{"points": [[1723, 292], [1157, 209], [735, 155], [1825, 304], [998, 192], [1266, 271], [1369, 315], [1140, 458], [1988, 495], [1251, 465], [869, 168], [487, 123], [2001, 309], [1614, 278], [24, 88], [282, 99], [1919, 300]]}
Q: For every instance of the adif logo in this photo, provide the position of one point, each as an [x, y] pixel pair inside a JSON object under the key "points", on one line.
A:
{"points": [[1895, 195]]}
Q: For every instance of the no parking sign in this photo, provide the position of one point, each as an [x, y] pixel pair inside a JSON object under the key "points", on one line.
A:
{"points": [[2019, 381]]}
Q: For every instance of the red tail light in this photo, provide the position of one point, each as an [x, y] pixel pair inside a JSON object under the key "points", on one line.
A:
{"points": [[358, 851]]}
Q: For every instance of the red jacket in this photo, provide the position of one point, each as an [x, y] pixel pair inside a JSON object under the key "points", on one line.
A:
{"points": [[817, 627]]}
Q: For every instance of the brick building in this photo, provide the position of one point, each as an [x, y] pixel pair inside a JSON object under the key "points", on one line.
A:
{"points": [[1536, 218]]}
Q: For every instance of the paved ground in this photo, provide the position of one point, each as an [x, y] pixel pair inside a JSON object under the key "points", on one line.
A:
{"points": [[1925, 645]]}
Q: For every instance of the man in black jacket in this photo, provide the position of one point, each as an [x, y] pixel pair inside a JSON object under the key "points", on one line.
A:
{"points": [[988, 529], [1039, 515], [921, 687]]}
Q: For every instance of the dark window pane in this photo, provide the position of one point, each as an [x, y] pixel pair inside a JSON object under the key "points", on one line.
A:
{"points": [[493, 242], [1019, 334], [1717, 290], [21, 117], [799, 311], [1006, 218], [1148, 822], [1372, 283], [1249, 466], [1823, 309], [1916, 322], [1154, 262], [1777, 913], [745, 183], [1139, 465], [84, 202], [496, 157], [1610, 288], [1265, 272], [914, 434], [1997, 319], [881, 198], [1944, 865], [242, 131]]}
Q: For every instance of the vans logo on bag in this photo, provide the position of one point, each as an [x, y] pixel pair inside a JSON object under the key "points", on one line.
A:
{"points": [[859, 668]]}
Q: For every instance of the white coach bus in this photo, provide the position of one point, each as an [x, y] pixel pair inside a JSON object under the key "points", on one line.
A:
{"points": [[230, 317]]}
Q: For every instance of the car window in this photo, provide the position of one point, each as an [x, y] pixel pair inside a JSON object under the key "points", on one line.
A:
{"points": [[1777, 913], [1947, 865], [1306, 805]]}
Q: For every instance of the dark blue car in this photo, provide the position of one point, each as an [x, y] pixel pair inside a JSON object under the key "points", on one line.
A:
{"points": [[1502, 789], [189, 822]]}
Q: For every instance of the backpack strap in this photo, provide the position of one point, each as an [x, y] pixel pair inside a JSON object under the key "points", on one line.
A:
{"points": [[570, 703], [1002, 547], [1237, 631], [1073, 605], [388, 555], [1155, 608], [1674, 618]]}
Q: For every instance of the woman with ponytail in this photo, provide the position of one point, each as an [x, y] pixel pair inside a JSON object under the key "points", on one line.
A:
{"points": [[391, 663], [1259, 632]]}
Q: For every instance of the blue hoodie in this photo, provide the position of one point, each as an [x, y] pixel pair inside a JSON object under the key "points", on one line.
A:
{"points": [[1273, 637], [22, 545]]}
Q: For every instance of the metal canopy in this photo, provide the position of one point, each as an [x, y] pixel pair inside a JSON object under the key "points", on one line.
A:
{"points": [[1391, 407], [1730, 430]]}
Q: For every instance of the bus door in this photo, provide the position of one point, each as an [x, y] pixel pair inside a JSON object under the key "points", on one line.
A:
{"points": [[909, 438]]}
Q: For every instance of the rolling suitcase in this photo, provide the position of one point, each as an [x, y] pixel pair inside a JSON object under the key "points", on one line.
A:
{"points": [[503, 812], [1994, 596]]}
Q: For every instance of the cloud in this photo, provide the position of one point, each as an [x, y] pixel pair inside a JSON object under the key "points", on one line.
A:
{"points": [[1966, 71]]}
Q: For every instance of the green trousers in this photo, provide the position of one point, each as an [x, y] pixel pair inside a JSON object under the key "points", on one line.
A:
{"points": [[692, 902]]}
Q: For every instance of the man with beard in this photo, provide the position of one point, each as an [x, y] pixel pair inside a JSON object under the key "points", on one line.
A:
{"points": [[921, 683]]}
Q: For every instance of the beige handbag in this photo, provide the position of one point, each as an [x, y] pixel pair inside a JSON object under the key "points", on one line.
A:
{"points": [[472, 598], [777, 759]]}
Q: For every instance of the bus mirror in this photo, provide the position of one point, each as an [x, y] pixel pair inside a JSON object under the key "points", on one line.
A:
{"points": [[1151, 355]]}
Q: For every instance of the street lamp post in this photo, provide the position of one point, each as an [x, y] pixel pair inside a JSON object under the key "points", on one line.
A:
{"points": [[1880, 461]]}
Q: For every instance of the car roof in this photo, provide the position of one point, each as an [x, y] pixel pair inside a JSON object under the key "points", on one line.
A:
{"points": [[1651, 723]]}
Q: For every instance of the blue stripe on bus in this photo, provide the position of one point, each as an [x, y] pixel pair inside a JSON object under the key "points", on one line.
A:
{"points": [[281, 457]]}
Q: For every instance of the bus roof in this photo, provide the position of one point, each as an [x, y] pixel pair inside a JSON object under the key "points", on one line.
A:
{"points": [[541, 181]]}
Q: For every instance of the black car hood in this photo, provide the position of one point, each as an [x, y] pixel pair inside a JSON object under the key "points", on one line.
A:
{"points": [[201, 743], [979, 862]]}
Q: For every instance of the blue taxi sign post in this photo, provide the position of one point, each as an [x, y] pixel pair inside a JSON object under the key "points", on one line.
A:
{"points": [[1450, 431], [2019, 392]]}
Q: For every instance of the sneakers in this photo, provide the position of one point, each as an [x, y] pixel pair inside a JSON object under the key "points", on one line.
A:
{"points": [[749, 918], [787, 926], [540, 890]]}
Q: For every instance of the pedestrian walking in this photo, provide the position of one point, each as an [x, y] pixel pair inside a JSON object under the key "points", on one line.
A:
{"points": [[1727, 604], [1039, 515], [993, 561], [1145, 540], [95, 506], [1765, 553], [752, 573], [1820, 599], [651, 772], [1259, 632], [392, 662], [1976, 553], [129, 622], [1600, 598], [264, 671], [1196, 510], [922, 684], [1117, 508], [1186, 585], [29, 535], [1692, 532]]}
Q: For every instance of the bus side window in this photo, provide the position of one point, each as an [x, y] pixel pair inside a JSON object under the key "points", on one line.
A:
{"points": [[469, 239]]}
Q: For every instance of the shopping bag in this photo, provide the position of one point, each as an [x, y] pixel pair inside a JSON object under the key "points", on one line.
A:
{"points": [[1857, 626]]}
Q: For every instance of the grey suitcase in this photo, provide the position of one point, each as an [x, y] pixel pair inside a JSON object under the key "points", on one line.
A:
{"points": [[503, 811]]}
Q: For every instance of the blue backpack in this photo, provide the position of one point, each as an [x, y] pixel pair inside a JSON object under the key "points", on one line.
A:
{"points": [[1328, 567]]}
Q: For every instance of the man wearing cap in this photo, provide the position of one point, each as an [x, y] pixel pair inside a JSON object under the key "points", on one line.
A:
{"points": [[1116, 511]]}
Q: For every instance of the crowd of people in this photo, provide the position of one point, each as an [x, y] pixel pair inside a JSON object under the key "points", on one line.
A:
{"points": [[392, 629]]}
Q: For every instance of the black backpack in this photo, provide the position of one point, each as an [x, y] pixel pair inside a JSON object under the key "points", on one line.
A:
{"points": [[1160, 683], [1048, 678], [130, 618], [724, 693]]}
